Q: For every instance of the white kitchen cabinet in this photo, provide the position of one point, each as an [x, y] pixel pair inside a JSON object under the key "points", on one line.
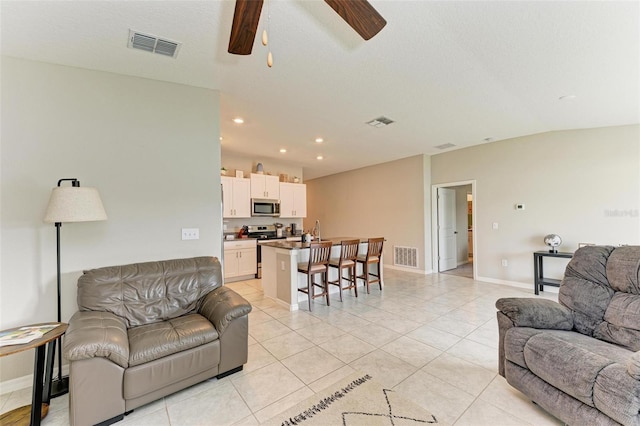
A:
{"points": [[265, 186], [293, 200], [240, 258], [236, 197]]}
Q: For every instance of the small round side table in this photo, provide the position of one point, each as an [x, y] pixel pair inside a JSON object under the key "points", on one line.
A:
{"points": [[44, 346]]}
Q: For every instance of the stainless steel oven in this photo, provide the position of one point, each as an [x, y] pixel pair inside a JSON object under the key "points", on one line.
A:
{"points": [[264, 207], [262, 233]]}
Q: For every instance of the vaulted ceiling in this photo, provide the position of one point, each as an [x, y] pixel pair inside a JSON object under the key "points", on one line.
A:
{"points": [[446, 72]]}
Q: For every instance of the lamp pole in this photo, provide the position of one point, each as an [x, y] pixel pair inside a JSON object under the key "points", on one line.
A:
{"points": [[60, 386]]}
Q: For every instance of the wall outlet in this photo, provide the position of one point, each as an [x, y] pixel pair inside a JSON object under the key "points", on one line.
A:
{"points": [[190, 234], [495, 225], [505, 263]]}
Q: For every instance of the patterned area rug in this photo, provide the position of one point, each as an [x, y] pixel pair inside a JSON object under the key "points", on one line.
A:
{"points": [[356, 400]]}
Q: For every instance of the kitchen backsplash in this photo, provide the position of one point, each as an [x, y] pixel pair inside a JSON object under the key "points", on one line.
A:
{"points": [[234, 225]]}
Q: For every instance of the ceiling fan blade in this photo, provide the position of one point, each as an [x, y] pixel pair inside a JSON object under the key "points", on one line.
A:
{"points": [[245, 26], [360, 15]]}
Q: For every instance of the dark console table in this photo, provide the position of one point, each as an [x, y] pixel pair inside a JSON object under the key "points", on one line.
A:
{"points": [[539, 280]]}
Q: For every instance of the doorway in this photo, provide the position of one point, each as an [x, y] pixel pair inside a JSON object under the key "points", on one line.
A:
{"points": [[453, 228]]}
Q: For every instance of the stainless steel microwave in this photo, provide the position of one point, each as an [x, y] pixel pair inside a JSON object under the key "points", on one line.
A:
{"points": [[263, 207]]}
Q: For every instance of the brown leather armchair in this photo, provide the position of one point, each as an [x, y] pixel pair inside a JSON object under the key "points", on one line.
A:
{"points": [[147, 330]]}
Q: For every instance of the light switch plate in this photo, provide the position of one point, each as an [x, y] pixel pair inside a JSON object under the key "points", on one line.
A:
{"points": [[190, 234]]}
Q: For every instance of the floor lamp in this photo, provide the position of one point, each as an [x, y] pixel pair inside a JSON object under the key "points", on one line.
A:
{"points": [[70, 204]]}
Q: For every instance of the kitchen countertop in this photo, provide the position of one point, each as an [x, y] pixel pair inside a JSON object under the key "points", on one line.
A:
{"points": [[296, 245]]}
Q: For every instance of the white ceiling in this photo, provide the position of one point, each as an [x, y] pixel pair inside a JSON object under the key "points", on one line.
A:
{"points": [[446, 72]]}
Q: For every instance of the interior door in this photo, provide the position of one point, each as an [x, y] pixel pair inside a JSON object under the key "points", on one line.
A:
{"points": [[446, 229]]}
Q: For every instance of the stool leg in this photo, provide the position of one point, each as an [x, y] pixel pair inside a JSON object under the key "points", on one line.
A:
{"points": [[354, 279], [310, 289], [340, 282], [326, 284], [366, 276]]}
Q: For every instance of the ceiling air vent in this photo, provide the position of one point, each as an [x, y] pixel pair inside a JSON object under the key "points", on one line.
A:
{"points": [[445, 146], [153, 44], [380, 122]]}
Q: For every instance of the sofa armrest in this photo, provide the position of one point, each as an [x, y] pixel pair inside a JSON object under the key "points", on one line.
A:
{"points": [[633, 366], [222, 306], [536, 313], [97, 334]]}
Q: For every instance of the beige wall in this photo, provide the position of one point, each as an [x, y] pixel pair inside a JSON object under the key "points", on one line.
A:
{"points": [[151, 149], [581, 184], [384, 200]]}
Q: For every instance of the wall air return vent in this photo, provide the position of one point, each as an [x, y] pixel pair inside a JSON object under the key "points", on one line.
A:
{"points": [[405, 256], [445, 146], [380, 122], [153, 44]]}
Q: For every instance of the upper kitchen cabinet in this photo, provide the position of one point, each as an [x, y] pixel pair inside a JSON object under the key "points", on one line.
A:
{"points": [[293, 200], [236, 197], [265, 186]]}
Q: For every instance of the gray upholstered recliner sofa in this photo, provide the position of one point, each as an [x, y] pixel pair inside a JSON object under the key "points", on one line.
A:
{"points": [[579, 359], [146, 330]]}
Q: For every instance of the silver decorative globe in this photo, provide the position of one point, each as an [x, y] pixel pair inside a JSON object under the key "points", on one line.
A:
{"points": [[553, 241]]}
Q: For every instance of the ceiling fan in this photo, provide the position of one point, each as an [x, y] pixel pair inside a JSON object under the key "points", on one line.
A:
{"points": [[359, 14]]}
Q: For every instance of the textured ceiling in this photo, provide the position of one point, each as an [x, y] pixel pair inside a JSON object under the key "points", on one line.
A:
{"points": [[445, 72]]}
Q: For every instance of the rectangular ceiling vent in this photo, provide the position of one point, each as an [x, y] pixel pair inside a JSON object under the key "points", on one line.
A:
{"points": [[445, 146], [153, 44], [380, 122]]}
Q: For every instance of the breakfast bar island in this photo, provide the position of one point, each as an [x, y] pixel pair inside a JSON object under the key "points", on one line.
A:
{"points": [[280, 277]]}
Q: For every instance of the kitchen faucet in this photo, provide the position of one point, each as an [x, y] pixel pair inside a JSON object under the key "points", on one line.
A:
{"points": [[316, 230]]}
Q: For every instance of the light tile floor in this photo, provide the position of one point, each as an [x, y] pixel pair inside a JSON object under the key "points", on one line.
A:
{"points": [[431, 338]]}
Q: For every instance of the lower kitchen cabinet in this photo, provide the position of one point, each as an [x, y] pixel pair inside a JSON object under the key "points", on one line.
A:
{"points": [[240, 258]]}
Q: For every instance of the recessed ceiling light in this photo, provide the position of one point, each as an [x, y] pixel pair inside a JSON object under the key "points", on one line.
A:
{"points": [[238, 120], [319, 140], [566, 97], [220, 137], [283, 150], [319, 157]]}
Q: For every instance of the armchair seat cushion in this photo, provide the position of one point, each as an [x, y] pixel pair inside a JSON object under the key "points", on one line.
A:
{"points": [[160, 339], [571, 362]]}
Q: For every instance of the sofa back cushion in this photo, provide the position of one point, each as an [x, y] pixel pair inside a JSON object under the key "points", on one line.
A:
{"points": [[585, 288], [621, 324], [145, 293]]}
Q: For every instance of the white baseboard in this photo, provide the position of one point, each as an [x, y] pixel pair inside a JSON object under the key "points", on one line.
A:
{"points": [[405, 269], [549, 289], [26, 381]]}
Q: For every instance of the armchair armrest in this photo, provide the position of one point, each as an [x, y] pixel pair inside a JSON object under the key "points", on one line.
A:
{"points": [[97, 334], [633, 366], [536, 313], [222, 306]]}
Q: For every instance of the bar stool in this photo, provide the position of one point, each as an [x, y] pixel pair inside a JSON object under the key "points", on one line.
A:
{"points": [[373, 255], [318, 264], [347, 260]]}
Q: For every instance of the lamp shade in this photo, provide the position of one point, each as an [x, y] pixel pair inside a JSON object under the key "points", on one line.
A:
{"points": [[74, 204]]}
